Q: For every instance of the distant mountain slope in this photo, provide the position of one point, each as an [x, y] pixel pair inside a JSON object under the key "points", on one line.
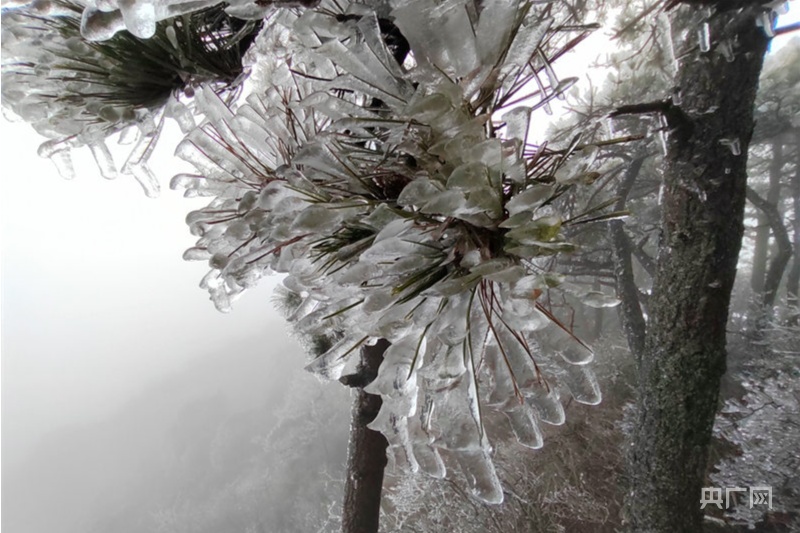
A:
{"points": [[181, 443]]}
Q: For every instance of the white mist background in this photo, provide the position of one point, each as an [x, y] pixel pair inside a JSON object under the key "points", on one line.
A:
{"points": [[96, 299]]}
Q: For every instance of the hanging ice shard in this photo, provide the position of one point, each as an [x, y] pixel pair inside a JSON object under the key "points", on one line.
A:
{"points": [[582, 384], [525, 426], [392, 197], [481, 475], [102, 157], [545, 400], [704, 37], [733, 145]]}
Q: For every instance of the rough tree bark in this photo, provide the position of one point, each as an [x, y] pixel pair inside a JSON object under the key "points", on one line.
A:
{"points": [[702, 225], [366, 452]]}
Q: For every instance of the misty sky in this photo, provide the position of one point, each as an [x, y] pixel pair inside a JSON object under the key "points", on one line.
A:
{"points": [[96, 299]]}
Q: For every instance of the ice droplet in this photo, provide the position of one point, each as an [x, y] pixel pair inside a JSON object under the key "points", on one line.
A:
{"points": [[139, 17], [99, 25], [704, 37], [172, 37]]}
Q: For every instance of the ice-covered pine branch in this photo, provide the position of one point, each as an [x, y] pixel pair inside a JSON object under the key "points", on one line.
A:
{"points": [[77, 92], [404, 202]]}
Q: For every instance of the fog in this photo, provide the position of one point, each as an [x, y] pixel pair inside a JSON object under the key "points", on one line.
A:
{"points": [[106, 336]]}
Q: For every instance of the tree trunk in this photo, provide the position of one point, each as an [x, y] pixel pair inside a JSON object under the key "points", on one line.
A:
{"points": [[763, 230], [793, 278], [366, 455], [630, 310], [783, 254], [702, 225]]}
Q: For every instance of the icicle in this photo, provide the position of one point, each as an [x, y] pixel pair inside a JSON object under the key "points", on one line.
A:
{"points": [[669, 44], [547, 405], [765, 21], [544, 102], [102, 157], [677, 96], [429, 460], [725, 47], [172, 37], [551, 75], [181, 113], [609, 124], [196, 254], [129, 135], [481, 475], [662, 140], [146, 179], [582, 384], [733, 144], [525, 426], [63, 162], [58, 151], [136, 165], [704, 37]]}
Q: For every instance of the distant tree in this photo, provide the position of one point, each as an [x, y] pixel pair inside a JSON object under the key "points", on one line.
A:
{"points": [[776, 156]]}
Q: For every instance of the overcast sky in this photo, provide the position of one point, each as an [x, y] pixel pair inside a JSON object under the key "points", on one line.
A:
{"points": [[96, 299]]}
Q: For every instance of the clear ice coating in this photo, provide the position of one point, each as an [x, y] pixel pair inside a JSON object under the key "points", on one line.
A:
{"points": [[399, 209], [704, 37], [733, 144], [77, 93]]}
